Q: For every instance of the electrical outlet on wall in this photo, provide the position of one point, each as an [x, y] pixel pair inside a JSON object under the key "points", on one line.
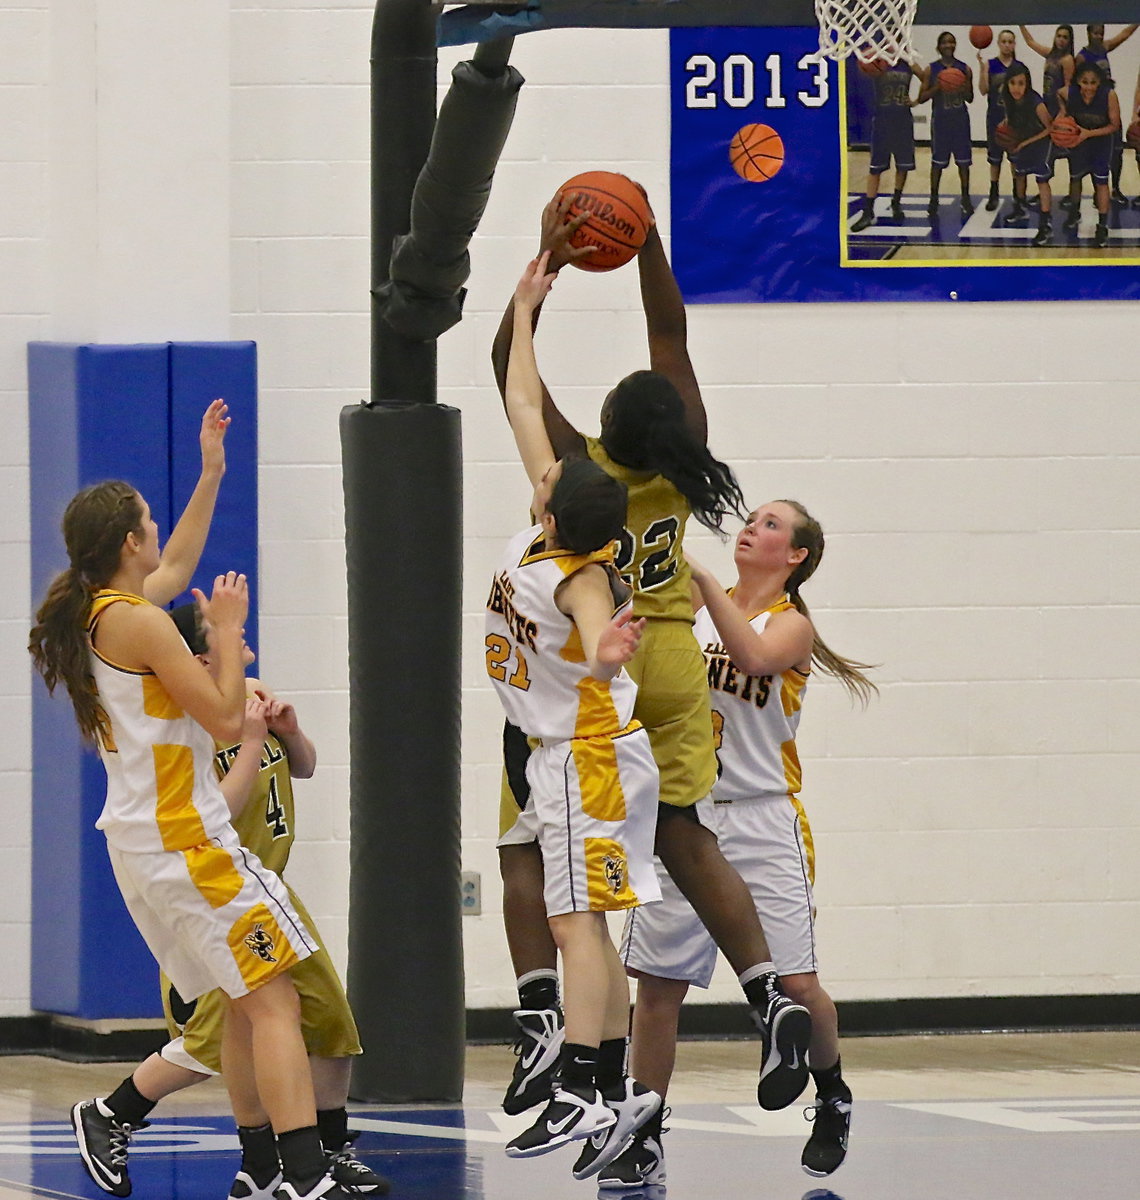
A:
{"points": [[471, 894]]}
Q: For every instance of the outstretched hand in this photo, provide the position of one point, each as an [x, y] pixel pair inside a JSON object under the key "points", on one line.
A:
{"points": [[620, 638], [558, 227], [227, 606], [254, 725], [215, 422], [536, 281]]}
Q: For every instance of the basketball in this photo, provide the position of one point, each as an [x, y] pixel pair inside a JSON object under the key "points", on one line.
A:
{"points": [[756, 152], [950, 79], [1066, 132], [1132, 136], [981, 36], [618, 220], [875, 67], [1004, 136]]}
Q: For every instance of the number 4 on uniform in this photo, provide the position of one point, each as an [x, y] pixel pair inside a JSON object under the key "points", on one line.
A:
{"points": [[274, 813]]}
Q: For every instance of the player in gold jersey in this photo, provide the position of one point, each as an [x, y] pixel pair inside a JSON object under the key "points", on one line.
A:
{"points": [[654, 440]]}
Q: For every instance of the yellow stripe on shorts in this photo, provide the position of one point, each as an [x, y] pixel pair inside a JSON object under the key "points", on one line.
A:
{"points": [[607, 875], [599, 781], [213, 873], [260, 949]]}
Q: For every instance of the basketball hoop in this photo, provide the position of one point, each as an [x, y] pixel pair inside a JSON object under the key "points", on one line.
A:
{"points": [[868, 29]]}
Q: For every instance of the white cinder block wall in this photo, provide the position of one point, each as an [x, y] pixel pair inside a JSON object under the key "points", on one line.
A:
{"points": [[975, 467]]}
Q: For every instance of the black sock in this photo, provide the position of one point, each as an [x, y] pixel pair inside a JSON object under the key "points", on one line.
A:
{"points": [[540, 992], [611, 1063], [760, 989], [993, 188], [868, 206], [578, 1066], [128, 1103], [896, 197], [333, 1126], [829, 1082], [302, 1159], [258, 1153]]}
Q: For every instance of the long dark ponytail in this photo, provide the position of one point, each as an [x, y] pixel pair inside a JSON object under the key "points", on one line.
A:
{"points": [[95, 524], [807, 533], [644, 428]]}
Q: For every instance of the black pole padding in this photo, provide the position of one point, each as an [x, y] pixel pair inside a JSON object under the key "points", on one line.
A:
{"points": [[403, 471], [423, 297], [403, 117]]}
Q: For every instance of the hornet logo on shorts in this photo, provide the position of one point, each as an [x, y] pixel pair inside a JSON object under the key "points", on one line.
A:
{"points": [[614, 867], [260, 943]]}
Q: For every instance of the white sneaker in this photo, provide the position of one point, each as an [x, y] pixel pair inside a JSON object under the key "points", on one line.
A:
{"points": [[538, 1043], [245, 1187], [569, 1116], [640, 1165], [632, 1103]]}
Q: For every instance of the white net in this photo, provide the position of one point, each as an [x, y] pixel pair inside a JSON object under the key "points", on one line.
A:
{"points": [[868, 29]]}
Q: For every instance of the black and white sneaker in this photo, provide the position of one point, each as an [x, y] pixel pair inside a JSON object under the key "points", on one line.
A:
{"points": [[568, 1117], [325, 1188], [785, 1031], [354, 1175], [538, 1042], [103, 1142], [827, 1147], [245, 1187], [1100, 237], [633, 1104], [640, 1165]]}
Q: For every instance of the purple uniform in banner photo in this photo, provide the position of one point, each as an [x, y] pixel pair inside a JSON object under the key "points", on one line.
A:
{"points": [[950, 121], [892, 122]]}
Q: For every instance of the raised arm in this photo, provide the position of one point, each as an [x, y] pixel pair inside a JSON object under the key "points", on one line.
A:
{"points": [[184, 547], [1121, 37], [666, 327], [983, 75], [237, 783], [523, 392], [1033, 43], [284, 725], [608, 639], [557, 229], [784, 642]]}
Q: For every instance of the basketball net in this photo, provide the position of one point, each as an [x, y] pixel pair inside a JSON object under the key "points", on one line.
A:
{"points": [[868, 29]]}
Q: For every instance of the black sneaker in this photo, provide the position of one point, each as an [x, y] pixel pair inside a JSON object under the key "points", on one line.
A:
{"points": [[897, 210], [245, 1187], [1100, 238], [325, 1188], [864, 221], [827, 1147], [538, 1042], [640, 1165], [103, 1142], [1043, 236], [993, 202], [1136, 201], [967, 206], [568, 1117], [1071, 221], [354, 1175], [932, 207], [785, 1031], [1016, 216], [633, 1104], [1119, 198]]}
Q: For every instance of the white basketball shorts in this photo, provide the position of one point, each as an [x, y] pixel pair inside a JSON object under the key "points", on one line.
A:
{"points": [[768, 840]]}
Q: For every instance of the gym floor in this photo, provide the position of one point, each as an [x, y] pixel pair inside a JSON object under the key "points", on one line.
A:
{"points": [[962, 1117]]}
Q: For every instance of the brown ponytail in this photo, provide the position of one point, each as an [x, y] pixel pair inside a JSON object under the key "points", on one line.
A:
{"points": [[95, 525], [808, 534]]}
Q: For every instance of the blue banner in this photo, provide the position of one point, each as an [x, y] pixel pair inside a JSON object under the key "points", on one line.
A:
{"points": [[773, 176]]}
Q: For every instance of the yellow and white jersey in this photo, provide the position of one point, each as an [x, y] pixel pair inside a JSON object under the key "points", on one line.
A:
{"points": [[650, 556], [162, 793], [534, 651], [754, 718]]}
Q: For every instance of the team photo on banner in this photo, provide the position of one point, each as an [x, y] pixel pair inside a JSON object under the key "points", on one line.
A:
{"points": [[998, 147]]}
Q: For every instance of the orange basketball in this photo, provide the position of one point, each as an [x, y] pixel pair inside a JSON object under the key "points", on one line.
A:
{"points": [[756, 152], [1066, 132], [950, 79], [875, 67], [1004, 136], [1132, 136], [618, 220], [981, 36]]}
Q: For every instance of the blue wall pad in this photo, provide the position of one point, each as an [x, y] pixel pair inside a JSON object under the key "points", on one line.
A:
{"points": [[106, 412]]}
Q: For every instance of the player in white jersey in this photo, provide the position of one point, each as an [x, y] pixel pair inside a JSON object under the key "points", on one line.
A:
{"points": [[759, 644], [559, 629], [210, 913]]}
